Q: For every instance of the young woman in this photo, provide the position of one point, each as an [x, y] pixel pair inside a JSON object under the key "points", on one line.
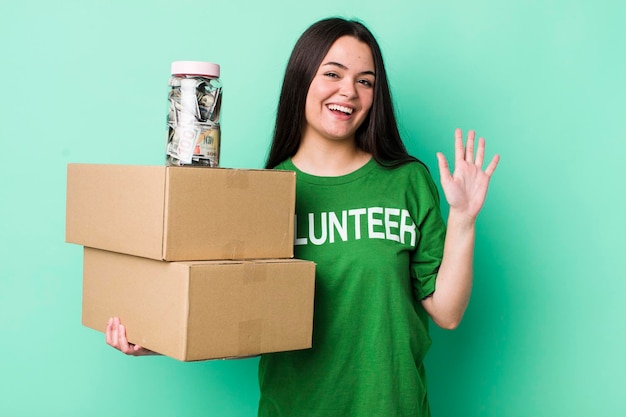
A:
{"points": [[368, 215]]}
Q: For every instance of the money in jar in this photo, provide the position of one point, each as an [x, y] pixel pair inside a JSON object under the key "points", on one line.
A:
{"points": [[193, 120]]}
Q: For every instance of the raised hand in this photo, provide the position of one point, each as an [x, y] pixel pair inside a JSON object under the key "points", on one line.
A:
{"points": [[466, 188]]}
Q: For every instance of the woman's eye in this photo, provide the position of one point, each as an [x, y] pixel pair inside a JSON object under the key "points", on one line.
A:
{"points": [[331, 75], [366, 83]]}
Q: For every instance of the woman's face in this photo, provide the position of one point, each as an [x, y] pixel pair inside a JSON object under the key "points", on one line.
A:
{"points": [[341, 93]]}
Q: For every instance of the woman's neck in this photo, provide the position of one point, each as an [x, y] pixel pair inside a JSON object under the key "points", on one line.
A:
{"points": [[329, 159]]}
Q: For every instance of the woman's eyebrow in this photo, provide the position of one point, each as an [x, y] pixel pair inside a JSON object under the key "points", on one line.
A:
{"points": [[340, 65]]}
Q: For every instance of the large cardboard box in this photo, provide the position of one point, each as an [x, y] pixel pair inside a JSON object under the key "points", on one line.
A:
{"points": [[181, 213], [201, 310]]}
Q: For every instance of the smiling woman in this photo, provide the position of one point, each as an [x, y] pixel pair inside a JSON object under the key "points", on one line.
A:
{"points": [[374, 230], [368, 215]]}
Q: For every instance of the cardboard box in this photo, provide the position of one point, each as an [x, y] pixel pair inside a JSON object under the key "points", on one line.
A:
{"points": [[181, 213], [201, 310]]}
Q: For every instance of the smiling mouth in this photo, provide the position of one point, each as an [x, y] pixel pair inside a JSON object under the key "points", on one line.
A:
{"points": [[342, 109]]}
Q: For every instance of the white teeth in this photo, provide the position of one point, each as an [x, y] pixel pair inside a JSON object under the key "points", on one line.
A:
{"points": [[346, 110]]}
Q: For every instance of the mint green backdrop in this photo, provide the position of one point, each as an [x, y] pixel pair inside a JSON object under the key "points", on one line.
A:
{"points": [[543, 82]]}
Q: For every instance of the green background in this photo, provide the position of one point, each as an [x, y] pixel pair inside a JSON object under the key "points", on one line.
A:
{"points": [[542, 81]]}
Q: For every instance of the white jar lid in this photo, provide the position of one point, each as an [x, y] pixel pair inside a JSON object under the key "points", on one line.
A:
{"points": [[208, 69]]}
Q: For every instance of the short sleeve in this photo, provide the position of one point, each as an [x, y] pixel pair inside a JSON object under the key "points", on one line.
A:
{"points": [[428, 253]]}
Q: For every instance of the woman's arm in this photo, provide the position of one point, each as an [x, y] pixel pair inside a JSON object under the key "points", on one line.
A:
{"points": [[465, 191]]}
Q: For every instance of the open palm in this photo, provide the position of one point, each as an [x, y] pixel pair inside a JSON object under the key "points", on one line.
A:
{"points": [[466, 188]]}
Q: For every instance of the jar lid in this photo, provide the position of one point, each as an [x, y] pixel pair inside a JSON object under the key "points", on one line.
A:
{"points": [[195, 68]]}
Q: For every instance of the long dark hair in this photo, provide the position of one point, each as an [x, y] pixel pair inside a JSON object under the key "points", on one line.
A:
{"points": [[378, 134]]}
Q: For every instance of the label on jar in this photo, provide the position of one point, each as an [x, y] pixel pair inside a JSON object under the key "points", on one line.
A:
{"points": [[208, 145], [185, 140]]}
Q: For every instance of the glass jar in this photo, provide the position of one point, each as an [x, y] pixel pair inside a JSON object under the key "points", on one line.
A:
{"points": [[193, 121]]}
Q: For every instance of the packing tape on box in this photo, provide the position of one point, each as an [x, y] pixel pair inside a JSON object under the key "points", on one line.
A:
{"points": [[250, 332], [237, 179], [254, 273]]}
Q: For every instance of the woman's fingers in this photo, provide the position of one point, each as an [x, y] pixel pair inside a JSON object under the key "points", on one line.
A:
{"points": [[465, 152], [480, 153], [469, 147], [444, 168], [115, 334], [108, 332], [124, 346], [492, 165], [459, 149], [112, 332]]}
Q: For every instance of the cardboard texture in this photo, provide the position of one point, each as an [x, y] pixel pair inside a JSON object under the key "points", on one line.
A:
{"points": [[181, 213], [201, 310]]}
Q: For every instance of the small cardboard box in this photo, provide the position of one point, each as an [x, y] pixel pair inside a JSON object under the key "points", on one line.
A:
{"points": [[201, 310], [181, 213]]}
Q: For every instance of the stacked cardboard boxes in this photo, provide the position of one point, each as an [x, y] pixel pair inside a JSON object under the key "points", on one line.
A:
{"points": [[197, 262]]}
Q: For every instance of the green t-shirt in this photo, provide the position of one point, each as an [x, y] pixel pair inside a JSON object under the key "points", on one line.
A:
{"points": [[376, 236]]}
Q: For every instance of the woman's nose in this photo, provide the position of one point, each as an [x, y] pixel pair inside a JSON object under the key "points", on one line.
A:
{"points": [[348, 88]]}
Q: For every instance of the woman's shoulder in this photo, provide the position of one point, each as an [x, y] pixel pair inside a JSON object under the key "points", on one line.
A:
{"points": [[411, 169], [285, 165], [414, 175]]}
